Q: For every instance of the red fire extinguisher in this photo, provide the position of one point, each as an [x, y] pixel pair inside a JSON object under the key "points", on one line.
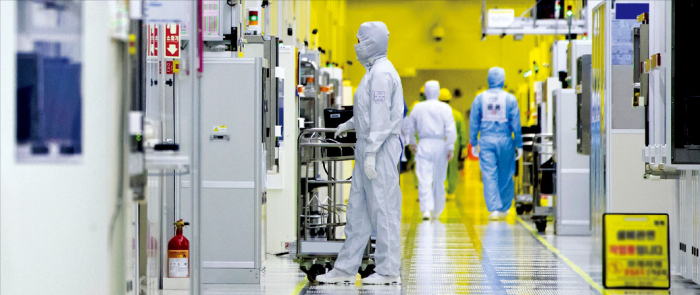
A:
{"points": [[179, 253]]}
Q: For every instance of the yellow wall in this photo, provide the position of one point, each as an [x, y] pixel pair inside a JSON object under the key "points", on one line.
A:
{"points": [[304, 16], [460, 60], [412, 47]]}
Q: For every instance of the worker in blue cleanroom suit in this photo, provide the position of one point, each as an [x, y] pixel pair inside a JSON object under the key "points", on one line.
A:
{"points": [[496, 116], [375, 195], [435, 125]]}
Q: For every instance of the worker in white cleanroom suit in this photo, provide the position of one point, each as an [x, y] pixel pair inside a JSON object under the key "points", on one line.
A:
{"points": [[375, 195], [435, 125]]}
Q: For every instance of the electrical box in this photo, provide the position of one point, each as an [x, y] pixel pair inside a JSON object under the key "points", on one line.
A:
{"points": [[309, 79], [559, 60], [685, 93], [667, 89], [267, 47], [212, 17], [233, 191], [583, 99], [572, 180], [577, 48]]}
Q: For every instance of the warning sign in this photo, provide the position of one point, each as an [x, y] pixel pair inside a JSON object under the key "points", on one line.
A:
{"points": [[220, 128], [635, 251], [169, 67], [153, 40], [172, 41]]}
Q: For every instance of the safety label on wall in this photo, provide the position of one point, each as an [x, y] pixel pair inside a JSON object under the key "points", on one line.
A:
{"points": [[220, 128], [172, 41], [635, 254], [153, 40]]}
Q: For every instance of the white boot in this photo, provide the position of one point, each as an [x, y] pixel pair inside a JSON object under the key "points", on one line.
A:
{"points": [[377, 279], [503, 214], [495, 215], [334, 277], [426, 215]]}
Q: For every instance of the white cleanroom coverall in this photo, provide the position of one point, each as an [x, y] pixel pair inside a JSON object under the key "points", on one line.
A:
{"points": [[375, 195], [435, 125]]}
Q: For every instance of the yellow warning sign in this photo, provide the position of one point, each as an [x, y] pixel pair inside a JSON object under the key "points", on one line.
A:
{"points": [[635, 251], [220, 128]]}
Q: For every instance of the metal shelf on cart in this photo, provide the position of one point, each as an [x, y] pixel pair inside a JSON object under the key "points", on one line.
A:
{"points": [[330, 181]]}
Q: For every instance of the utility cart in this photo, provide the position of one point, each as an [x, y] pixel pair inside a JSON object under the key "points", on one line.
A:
{"points": [[544, 188], [523, 200], [320, 210]]}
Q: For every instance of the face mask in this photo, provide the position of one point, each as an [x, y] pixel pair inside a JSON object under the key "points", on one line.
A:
{"points": [[362, 50]]}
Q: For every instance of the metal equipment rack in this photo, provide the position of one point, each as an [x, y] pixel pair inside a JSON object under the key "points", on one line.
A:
{"points": [[523, 201], [318, 218], [542, 212]]}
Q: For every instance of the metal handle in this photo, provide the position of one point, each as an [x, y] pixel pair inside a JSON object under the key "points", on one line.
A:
{"points": [[543, 135], [219, 138]]}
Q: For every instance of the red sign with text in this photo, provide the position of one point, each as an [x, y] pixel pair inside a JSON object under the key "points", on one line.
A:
{"points": [[153, 40], [172, 41], [169, 67]]}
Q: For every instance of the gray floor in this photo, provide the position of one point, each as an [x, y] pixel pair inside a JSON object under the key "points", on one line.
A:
{"points": [[445, 258], [458, 258], [463, 253], [580, 251]]}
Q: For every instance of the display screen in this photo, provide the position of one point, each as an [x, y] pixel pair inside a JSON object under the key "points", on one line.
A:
{"points": [[49, 67]]}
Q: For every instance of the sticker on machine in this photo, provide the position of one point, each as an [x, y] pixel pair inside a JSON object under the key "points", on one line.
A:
{"points": [[379, 96], [220, 128]]}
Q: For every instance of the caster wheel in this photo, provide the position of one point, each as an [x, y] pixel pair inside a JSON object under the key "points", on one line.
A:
{"points": [[369, 270], [541, 225], [314, 271], [519, 209], [527, 207]]}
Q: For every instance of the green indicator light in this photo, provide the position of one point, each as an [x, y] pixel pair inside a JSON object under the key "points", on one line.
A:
{"points": [[253, 17], [138, 137], [569, 13]]}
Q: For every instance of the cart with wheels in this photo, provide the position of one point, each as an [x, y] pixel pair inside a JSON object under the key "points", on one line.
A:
{"points": [[320, 210], [544, 190], [523, 199]]}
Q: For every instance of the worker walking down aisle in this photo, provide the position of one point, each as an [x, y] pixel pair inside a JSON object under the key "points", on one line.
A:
{"points": [[460, 144], [495, 114], [375, 194], [433, 122]]}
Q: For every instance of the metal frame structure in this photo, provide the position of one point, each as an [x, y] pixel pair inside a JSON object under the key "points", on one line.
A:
{"points": [[532, 26], [317, 253], [523, 201], [542, 146]]}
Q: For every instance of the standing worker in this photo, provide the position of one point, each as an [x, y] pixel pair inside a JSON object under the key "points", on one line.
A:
{"points": [[412, 156], [433, 122], [375, 196], [460, 144], [496, 115]]}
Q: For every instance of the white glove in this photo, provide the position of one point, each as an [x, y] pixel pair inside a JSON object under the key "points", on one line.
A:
{"points": [[520, 154], [450, 155], [475, 151], [370, 171], [342, 131]]}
